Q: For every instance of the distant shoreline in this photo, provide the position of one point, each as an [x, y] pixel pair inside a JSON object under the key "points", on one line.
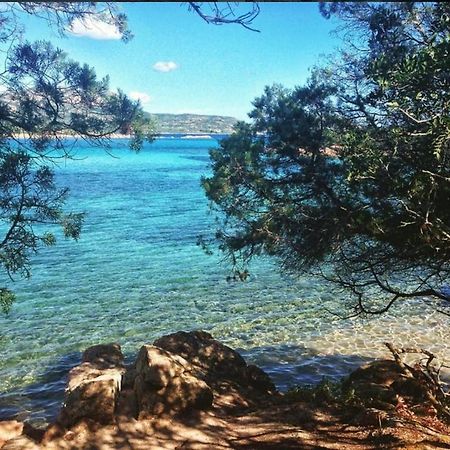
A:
{"points": [[164, 135], [191, 135]]}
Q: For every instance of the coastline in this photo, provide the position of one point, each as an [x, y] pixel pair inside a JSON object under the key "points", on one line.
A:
{"points": [[277, 323], [189, 390], [165, 135]]}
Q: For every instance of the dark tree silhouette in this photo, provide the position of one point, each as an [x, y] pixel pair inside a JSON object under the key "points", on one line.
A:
{"points": [[349, 176], [46, 102]]}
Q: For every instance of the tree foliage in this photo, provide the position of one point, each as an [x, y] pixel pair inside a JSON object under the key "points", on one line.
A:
{"points": [[349, 176], [47, 102]]}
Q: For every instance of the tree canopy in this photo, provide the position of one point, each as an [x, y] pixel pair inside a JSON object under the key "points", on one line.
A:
{"points": [[47, 101], [349, 176]]}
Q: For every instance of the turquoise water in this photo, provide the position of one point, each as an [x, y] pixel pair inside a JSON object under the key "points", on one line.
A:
{"points": [[137, 273]]}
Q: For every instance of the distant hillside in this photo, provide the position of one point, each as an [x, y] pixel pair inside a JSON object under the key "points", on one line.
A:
{"points": [[193, 123]]}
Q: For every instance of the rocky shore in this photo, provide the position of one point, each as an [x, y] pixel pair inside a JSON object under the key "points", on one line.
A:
{"points": [[189, 391]]}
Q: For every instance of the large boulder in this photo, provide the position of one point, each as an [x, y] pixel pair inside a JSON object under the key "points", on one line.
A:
{"points": [[381, 383], [214, 361], [164, 384], [181, 372], [93, 386], [209, 357]]}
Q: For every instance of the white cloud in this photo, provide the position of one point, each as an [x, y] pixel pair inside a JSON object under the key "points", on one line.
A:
{"points": [[95, 28], [141, 96], [165, 66]]}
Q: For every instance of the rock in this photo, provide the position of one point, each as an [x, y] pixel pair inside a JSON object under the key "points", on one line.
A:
{"points": [[164, 384], [372, 383], [259, 379], [53, 431], [213, 361], [182, 394], [383, 372], [376, 392], [20, 443], [210, 357], [94, 397], [10, 429], [93, 386], [104, 355], [412, 389], [382, 383], [33, 432], [372, 417], [158, 367], [176, 375], [128, 377], [126, 404]]}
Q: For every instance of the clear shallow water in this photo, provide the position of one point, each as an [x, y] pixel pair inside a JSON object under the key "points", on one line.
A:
{"points": [[137, 273]]}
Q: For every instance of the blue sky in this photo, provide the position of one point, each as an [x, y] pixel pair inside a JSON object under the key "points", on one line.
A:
{"points": [[177, 63]]}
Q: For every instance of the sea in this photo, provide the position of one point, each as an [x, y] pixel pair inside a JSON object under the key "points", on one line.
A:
{"points": [[137, 273]]}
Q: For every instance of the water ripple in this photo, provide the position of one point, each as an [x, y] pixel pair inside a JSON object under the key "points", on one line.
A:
{"points": [[137, 273]]}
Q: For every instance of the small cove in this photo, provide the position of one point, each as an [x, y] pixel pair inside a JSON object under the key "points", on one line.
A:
{"points": [[137, 273]]}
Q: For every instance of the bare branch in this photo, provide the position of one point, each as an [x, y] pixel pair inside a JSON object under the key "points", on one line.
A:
{"points": [[225, 13]]}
